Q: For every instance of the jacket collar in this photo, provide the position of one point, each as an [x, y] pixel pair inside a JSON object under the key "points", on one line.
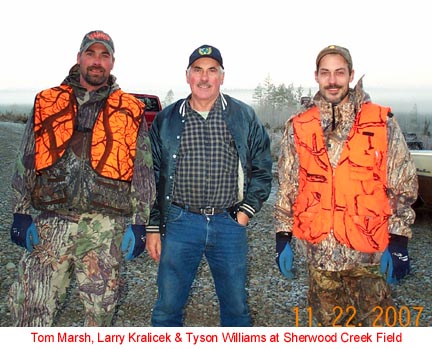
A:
{"points": [[182, 109]]}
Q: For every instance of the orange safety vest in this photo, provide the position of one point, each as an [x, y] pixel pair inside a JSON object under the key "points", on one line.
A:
{"points": [[114, 134], [349, 200]]}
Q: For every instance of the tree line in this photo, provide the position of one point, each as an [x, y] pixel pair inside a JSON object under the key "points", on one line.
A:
{"points": [[276, 103]]}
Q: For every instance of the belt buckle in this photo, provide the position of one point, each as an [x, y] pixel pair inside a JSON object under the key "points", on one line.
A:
{"points": [[208, 211]]}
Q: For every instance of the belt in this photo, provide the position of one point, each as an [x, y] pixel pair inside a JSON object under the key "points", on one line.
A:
{"points": [[208, 211]]}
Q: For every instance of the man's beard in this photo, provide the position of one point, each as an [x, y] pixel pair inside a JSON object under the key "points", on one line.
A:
{"points": [[338, 100], [95, 81]]}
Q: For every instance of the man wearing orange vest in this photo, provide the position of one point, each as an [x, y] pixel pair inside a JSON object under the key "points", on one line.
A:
{"points": [[86, 168], [346, 186]]}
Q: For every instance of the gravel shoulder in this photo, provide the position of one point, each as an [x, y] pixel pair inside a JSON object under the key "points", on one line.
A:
{"points": [[273, 300]]}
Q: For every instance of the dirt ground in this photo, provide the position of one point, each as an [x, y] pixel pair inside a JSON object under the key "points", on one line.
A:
{"points": [[273, 300]]}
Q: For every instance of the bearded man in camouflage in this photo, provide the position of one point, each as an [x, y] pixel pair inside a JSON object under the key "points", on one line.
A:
{"points": [[87, 170], [346, 186]]}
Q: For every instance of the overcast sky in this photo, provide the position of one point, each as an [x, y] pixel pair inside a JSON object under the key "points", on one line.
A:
{"points": [[390, 42]]}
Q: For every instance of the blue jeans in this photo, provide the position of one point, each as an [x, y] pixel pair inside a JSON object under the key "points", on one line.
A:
{"points": [[188, 237]]}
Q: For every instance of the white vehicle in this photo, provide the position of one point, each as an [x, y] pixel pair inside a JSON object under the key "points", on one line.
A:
{"points": [[423, 162]]}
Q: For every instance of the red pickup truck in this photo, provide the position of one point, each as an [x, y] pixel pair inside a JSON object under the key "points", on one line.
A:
{"points": [[153, 106]]}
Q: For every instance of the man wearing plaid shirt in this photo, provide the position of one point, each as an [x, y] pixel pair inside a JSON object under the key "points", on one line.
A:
{"points": [[212, 166]]}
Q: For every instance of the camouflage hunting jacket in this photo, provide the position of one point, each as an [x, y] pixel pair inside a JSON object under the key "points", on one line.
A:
{"points": [[329, 254], [71, 184]]}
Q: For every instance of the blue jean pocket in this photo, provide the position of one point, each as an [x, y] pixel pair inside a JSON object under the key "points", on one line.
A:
{"points": [[174, 214]]}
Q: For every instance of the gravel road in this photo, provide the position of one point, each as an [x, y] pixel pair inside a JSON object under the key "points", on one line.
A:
{"points": [[273, 300]]}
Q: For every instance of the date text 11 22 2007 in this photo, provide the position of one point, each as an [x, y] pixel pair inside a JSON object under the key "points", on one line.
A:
{"points": [[403, 316]]}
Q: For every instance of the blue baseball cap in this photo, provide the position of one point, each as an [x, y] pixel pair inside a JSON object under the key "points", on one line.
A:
{"points": [[206, 51]]}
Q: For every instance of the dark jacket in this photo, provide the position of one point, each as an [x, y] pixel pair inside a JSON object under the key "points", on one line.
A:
{"points": [[252, 143]]}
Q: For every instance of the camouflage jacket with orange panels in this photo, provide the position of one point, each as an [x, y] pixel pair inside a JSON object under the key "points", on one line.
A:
{"points": [[397, 187], [86, 152]]}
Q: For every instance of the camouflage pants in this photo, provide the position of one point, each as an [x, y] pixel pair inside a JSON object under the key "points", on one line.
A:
{"points": [[88, 247], [349, 297]]}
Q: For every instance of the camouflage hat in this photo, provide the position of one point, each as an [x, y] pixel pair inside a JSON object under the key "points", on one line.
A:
{"points": [[335, 50], [206, 51], [97, 36]]}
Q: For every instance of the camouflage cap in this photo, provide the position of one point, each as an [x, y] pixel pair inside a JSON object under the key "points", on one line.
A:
{"points": [[206, 51], [97, 36], [344, 52]]}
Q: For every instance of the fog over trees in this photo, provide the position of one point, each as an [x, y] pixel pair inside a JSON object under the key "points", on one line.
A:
{"points": [[275, 103]]}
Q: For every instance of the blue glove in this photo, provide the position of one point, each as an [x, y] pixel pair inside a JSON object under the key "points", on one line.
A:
{"points": [[395, 261], [133, 241], [284, 254], [23, 231]]}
